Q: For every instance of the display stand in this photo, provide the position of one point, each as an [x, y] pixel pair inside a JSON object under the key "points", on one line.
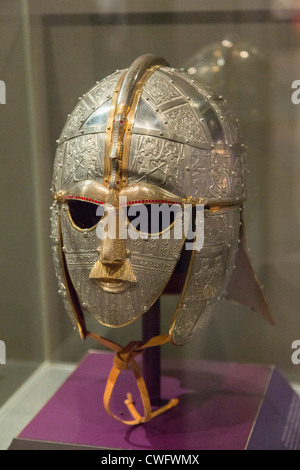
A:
{"points": [[151, 356], [222, 406]]}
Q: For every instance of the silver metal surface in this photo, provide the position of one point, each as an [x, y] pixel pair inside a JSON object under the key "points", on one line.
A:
{"points": [[210, 270]]}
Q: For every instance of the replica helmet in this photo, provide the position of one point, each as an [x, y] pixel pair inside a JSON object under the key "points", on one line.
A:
{"points": [[142, 148]]}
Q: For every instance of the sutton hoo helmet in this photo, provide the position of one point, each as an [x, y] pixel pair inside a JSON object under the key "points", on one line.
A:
{"points": [[149, 137]]}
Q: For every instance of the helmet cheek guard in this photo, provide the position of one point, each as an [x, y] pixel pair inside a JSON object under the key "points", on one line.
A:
{"points": [[149, 170]]}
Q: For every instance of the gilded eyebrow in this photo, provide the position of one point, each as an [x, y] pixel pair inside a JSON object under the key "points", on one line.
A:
{"points": [[84, 198], [151, 201], [129, 203]]}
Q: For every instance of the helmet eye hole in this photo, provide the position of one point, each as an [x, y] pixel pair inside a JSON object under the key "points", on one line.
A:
{"points": [[84, 215], [151, 218]]}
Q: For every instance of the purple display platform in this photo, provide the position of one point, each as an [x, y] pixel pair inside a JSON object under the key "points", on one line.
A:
{"points": [[221, 406]]}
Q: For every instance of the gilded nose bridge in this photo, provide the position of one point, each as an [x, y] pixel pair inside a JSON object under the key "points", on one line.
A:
{"points": [[112, 272], [112, 251]]}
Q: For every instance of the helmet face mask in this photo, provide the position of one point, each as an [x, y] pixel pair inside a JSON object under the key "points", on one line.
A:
{"points": [[117, 280], [162, 141]]}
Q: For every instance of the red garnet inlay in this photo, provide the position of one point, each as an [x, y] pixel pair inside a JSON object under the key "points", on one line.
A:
{"points": [[83, 198]]}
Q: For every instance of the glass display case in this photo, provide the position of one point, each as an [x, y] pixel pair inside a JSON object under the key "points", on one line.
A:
{"points": [[52, 53]]}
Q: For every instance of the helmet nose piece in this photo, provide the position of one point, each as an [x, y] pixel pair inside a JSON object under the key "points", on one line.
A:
{"points": [[111, 271], [112, 252]]}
